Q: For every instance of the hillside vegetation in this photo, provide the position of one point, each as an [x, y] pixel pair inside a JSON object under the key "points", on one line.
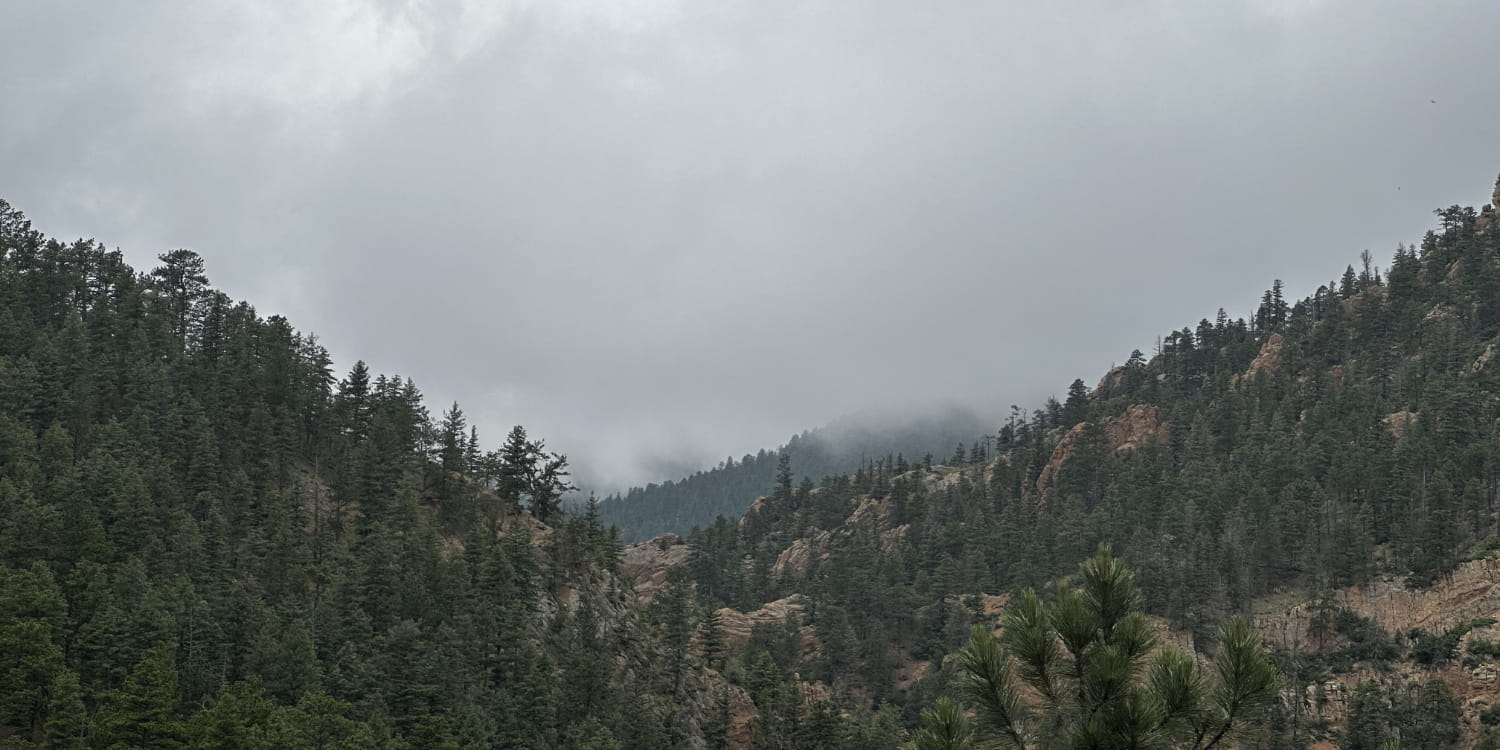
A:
{"points": [[1336, 441], [209, 539], [678, 506]]}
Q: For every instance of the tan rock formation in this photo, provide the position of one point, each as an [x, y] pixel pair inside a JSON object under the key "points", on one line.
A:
{"points": [[1484, 358], [741, 713], [1470, 591], [869, 512], [1111, 378], [1269, 357], [648, 563], [736, 625], [1061, 453], [992, 606], [755, 509], [795, 559], [1397, 422], [893, 536], [1138, 426]]}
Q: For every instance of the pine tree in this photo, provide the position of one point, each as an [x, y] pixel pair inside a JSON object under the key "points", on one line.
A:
{"points": [[944, 727], [143, 712], [517, 462], [353, 400], [1076, 408], [182, 282], [711, 640], [67, 723], [784, 475], [1102, 680]]}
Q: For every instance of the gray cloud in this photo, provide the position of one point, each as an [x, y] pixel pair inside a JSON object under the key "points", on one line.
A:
{"points": [[664, 229]]}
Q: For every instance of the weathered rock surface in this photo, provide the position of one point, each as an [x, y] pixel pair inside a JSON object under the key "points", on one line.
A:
{"points": [[795, 559], [1111, 379], [1269, 357], [1484, 358], [1138, 426], [1397, 422], [649, 563], [870, 515], [1471, 591], [736, 625]]}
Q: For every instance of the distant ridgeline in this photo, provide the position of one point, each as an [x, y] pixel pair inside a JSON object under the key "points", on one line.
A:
{"points": [[838, 448]]}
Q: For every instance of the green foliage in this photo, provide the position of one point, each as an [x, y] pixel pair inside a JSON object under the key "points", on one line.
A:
{"points": [[209, 540], [1483, 648], [1100, 676], [944, 727], [1484, 548], [1345, 637], [1425, 716], [1434, 649], [143, 712], [1433, 720]]}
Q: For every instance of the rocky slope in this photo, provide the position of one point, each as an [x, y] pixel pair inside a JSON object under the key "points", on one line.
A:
{"points": [[1468, 594]]}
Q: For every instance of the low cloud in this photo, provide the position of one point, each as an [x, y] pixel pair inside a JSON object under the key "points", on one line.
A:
{"points": [[651, 230]]}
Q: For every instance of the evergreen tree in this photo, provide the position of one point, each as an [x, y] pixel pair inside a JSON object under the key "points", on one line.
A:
{"points": [[1101, 677], [142, 714], [944, 727], [1076, 408]]}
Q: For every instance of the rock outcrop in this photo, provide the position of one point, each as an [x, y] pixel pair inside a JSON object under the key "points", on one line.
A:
{"points": [[869, 514], [793, 561], [1397, 422], [1111, 379], [1484, 358], [1472, 590], [648, 563], [1269, 357], [736, 625], [1488, 214], [1139, 425]]}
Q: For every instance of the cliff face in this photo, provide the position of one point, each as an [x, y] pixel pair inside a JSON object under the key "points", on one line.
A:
{"points": [[1138, 426], [648, 563], [1470, 592], [869, 515], [1269, 357], [736, 625], [1487, 214]]}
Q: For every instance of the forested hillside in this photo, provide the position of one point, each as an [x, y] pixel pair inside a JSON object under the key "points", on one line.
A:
{"points": [[210, 540], [838, 448], [1325, 443]]}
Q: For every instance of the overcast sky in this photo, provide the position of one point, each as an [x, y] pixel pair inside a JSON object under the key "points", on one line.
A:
{"points": [[656, 231]]}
